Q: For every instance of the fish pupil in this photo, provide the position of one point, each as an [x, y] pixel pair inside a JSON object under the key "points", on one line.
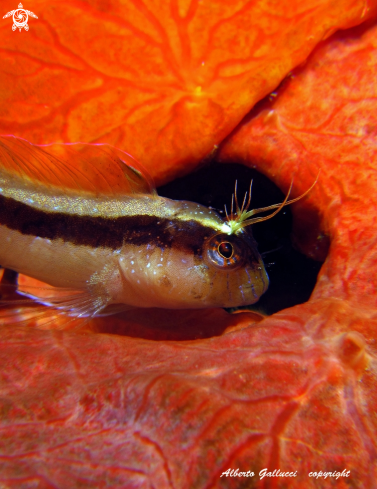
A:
{"points": [[225, 249]]}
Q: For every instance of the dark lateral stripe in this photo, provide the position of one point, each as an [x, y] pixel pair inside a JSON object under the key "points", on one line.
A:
{"points": [[103, 232]]}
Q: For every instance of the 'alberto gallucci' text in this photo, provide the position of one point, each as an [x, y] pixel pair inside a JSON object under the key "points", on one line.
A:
{"points": [[262, 473]]}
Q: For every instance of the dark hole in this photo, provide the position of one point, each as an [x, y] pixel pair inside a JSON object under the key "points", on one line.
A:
{"points": [[292, 274]]}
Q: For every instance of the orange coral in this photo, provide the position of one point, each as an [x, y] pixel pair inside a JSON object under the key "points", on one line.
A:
{"points": [[163, 81]]}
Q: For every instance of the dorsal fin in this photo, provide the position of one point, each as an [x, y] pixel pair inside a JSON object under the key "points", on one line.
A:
{"points": [[94, 168]]}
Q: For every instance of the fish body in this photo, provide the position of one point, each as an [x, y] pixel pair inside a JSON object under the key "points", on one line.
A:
{"points": [[86, 218]]}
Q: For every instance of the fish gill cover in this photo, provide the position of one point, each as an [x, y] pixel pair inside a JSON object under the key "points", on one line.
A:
{"points": [[166, 82]]}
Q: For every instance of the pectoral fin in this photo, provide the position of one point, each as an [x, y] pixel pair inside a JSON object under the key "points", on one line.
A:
{"points": [[43, 305]]}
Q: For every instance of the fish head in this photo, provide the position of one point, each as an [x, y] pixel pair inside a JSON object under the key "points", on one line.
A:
{"points": [[235, 269], [191, 261]]}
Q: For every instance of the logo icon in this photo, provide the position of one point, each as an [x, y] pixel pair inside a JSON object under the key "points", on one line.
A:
{"points": [[20, 17]]}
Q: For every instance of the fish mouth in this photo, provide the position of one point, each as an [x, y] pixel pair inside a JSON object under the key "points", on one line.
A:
{"points": [[265, 280], [257, 281]]}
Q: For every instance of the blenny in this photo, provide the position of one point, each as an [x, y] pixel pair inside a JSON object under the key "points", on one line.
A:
{"points": [[86, 218]]}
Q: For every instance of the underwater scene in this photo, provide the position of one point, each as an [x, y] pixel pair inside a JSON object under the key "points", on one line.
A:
{"points": [[188, 245]]}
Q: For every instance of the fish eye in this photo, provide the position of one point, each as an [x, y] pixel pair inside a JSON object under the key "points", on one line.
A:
{"points": [[225, 249], [225, 252]]}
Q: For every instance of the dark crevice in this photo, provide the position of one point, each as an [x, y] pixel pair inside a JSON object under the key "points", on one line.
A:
{"points": [[292, 274]]}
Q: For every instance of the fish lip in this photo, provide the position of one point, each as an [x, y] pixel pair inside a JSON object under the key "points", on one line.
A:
{"points": [[266, 282]]}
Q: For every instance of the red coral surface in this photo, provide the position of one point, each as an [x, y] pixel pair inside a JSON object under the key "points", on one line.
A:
{"points": [[296, 391]]}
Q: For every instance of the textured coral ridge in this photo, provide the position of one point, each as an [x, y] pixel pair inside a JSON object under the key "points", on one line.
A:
{"points": [[104, 71], [297, 391], [323, 117]]}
